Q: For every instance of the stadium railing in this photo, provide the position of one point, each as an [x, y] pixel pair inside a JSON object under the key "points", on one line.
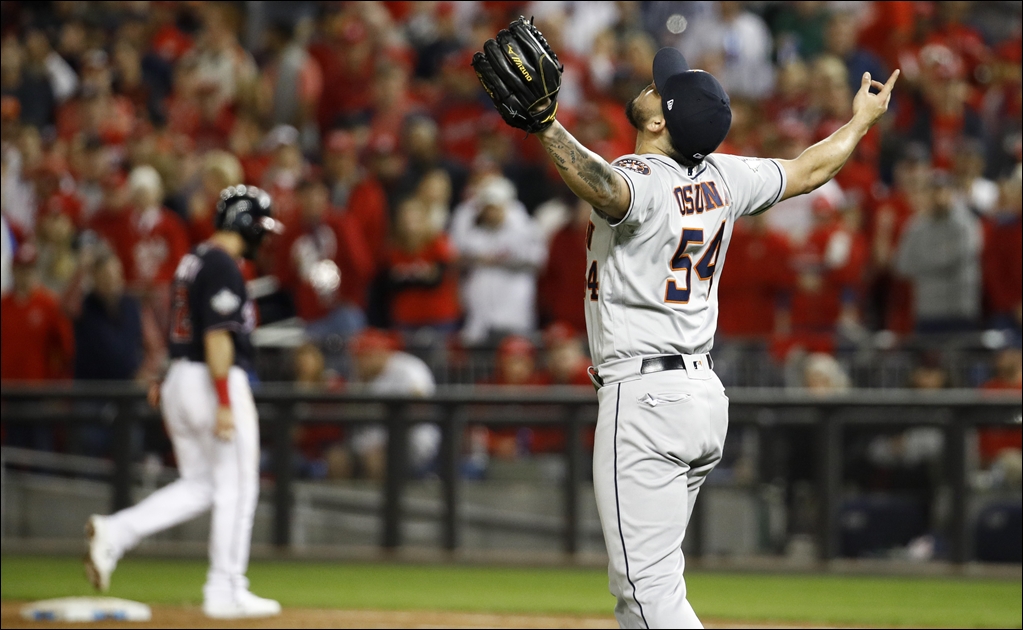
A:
{"points": [[281, 406]]}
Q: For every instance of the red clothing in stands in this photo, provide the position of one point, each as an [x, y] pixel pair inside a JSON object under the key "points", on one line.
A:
{"points": [[149, 244], [991, 441], [66, 203], [170, 42], [889, 26], [200, 226], [1003, 250], [367, 206], [966, 42], [113, 128], [336, 239], [818, 310], [883, 225], [414, 304], [758, 275], [347, 86], [562, 285], [460, 124], [37, 342]]}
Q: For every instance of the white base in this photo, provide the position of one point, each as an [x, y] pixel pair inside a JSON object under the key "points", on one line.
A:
{"points": [[85, 609]]}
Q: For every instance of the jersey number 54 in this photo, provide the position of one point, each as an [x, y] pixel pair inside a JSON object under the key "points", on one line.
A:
{"points": [[681, 261]]}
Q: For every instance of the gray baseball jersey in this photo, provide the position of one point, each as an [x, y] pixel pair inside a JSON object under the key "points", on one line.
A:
{"points": [[652, 290], [652, 277]]}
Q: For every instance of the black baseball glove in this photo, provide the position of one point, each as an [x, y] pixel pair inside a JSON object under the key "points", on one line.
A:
{"points": [[522, 75]]}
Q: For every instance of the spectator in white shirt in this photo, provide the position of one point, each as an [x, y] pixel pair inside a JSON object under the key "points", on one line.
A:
{"points": [[501, 249], [380, 368]]}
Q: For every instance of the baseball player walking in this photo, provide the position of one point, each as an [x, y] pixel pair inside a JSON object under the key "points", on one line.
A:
{"points": [[656, 243], [209, 413]]}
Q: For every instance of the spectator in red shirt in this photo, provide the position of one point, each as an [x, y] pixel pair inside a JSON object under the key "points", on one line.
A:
{"points": [[423, 282], [892, 297], [37, 342], [562, 282], [324, 263], [965, 41], [565, 363], [461, 116], [758, 280], [168, 41], [829, 269], [1003, 250], [97, 111], [149, 239], [941, 114], [356, 193], [319, 446], [346, 57], [565, 359], [244, 142], [515, 366], [286, 169]]}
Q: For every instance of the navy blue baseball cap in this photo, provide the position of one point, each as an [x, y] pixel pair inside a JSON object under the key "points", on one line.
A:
{"points": [[695, 107]]}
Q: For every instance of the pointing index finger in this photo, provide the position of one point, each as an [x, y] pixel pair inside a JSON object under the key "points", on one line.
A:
{"points": [[891, 82]]}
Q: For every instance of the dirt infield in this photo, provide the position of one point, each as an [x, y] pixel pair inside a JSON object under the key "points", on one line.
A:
{"points": [[192, 617]]}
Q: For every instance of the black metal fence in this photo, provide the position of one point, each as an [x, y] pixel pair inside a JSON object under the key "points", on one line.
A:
{"points": [[122, 405]]}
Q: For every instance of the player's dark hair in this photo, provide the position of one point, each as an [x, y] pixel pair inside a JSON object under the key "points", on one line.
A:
{"points": [[632, 114]]}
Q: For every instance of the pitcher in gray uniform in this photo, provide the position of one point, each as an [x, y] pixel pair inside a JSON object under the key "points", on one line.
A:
{"points": [[656, 246]]}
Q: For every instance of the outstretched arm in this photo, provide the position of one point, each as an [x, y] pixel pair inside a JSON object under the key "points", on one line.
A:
{"points": [[586, 173], [818, 164]]}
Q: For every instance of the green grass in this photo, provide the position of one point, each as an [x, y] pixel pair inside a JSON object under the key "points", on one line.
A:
{"points": [[868, 601]]}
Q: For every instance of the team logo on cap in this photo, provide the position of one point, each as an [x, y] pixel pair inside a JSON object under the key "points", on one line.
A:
{"points": [[671, 102]]}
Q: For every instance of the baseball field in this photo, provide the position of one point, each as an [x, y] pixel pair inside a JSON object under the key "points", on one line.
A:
{"points": [[402, 595]]}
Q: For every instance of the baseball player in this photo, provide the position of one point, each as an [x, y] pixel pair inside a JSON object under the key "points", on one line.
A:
{"points": [[209, 413], [656, 245]]}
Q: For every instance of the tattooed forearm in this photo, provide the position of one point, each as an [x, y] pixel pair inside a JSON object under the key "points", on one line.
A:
{"points": [[586, 173]]}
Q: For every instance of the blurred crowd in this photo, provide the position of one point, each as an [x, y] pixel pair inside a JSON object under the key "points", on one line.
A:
{"points": [[415, 216]]}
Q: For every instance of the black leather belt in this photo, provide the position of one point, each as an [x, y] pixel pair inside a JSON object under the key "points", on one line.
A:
{"points": [[661, 364], [651, 365]]}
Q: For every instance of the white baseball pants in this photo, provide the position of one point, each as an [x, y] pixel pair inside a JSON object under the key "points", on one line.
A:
{"points": [[215, 474], [658, 436]]}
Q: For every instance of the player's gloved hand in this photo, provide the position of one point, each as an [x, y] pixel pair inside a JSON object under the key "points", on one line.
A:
{"points": [[868, 107], [522, 76], [224, 427]]}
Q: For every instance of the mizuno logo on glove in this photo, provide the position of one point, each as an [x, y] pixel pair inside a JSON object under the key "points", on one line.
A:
{"points": [[518, 62]]}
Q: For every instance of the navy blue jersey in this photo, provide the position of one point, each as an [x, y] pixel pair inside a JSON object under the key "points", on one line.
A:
{"points": [[209, 294]]}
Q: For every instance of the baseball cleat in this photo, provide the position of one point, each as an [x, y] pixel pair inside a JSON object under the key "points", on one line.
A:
{"points": [[101, 559], [242, 605]]}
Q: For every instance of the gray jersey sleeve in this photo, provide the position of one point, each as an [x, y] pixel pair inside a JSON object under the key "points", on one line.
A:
{"points": [[645, 188], [754, 184]]}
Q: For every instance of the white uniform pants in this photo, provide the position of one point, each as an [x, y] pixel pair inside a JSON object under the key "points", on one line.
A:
{"points": [[658, 436], [215, 474]]}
